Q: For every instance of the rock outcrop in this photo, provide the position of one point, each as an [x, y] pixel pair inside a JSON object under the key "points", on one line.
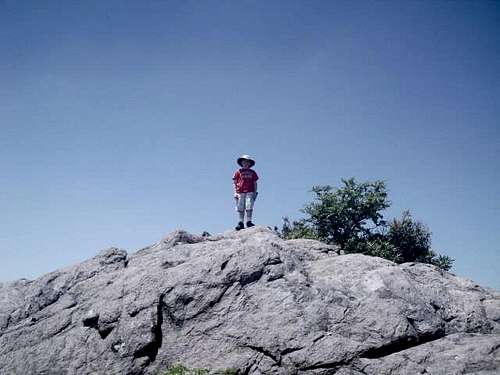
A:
{"points": [[249, 301]]}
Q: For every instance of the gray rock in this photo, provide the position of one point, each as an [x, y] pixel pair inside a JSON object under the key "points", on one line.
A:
{"points": [[250, 301]]}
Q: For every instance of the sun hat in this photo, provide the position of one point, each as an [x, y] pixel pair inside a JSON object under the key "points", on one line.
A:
{"points": [[245, 157]]}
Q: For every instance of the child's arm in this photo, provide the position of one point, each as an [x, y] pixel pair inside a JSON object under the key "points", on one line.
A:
{"points": [[235, 183], [235, 187], [256, 177]]}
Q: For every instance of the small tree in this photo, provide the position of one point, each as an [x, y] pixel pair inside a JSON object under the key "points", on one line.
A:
{"points": [[351, 217], [412, 240], [347, 215]]}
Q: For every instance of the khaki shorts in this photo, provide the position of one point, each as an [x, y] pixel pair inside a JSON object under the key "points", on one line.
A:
{"points": [[245, 201]]}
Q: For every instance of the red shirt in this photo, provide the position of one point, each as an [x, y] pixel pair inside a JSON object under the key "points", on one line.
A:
{"points": [[244, 179]]}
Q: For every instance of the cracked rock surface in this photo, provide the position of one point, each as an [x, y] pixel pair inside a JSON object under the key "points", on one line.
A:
{"points": [[249, 301]]}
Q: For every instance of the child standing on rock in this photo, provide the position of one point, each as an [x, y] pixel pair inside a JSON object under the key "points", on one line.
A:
{"points": [[245, 189]]}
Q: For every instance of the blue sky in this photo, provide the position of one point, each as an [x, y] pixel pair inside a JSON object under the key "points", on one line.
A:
{"points": [[122, 120]]}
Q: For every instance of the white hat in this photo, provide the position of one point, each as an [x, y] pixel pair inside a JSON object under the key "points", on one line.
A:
{"points": [[245, 157]]}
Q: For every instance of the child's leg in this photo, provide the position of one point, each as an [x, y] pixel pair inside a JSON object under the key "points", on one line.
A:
{"points": [[240, 206], [249, 215], [250, 199]]}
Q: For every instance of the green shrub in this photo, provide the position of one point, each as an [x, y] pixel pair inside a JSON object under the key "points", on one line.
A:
{"points": [[351, 217], [180, 369]]}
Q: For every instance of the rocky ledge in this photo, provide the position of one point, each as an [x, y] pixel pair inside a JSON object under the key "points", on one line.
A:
{"points": [[249, 301]]}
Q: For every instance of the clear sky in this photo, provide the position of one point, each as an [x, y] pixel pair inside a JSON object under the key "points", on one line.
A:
{"points": [[122, 120]]}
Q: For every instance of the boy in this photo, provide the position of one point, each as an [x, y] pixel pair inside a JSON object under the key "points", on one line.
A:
{"points": [[245, 189]]}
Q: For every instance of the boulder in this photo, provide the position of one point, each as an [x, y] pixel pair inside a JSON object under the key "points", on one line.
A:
{"points": [[249, 301]]}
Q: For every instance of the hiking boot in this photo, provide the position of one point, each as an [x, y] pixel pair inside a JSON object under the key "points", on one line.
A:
{"points": [[240, 226], [250, 224]]}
